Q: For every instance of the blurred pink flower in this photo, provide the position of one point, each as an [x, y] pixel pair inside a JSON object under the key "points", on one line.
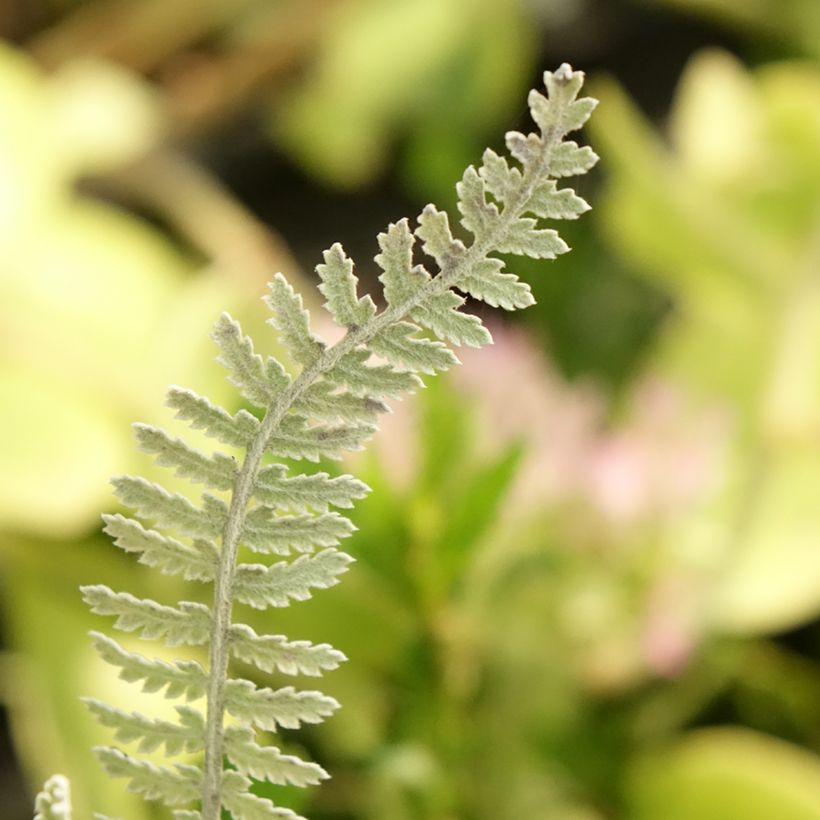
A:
{"points": [[670, 632], [661, 458]]}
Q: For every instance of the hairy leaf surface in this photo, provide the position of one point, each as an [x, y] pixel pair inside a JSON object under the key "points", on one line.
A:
{"points": [[262, 586], [329, 406]]}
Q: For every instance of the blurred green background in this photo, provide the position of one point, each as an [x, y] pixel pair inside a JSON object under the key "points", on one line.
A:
{"points": [[588, 578]]}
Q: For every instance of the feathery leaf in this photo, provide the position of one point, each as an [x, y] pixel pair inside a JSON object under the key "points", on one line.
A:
{"points": [[488, 283], [268, 762], [401, 347], [217, 471], [54, 801], [169, 510], [292, 321], [269, 652], [524, 239], [400, 278], [261, 586], [179, 679], [186, 736], [266, 532], [271, 708], [295, 439], [235, 431], [301, 493], [338, 286], [171, 786], [332, 406], [170, 556], [243, 805], [322, 402], [437, 239], [189, 624], [440, 314], [247, 370], [364, 379]]}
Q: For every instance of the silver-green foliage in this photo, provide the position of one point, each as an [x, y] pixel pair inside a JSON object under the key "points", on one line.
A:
{"points": [[54, 801], [331, 406]]}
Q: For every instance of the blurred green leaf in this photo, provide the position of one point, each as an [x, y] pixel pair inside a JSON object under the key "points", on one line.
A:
{"points": [[384, 65], [726, 774], [791, 25], [726, 218], [472, 511]]}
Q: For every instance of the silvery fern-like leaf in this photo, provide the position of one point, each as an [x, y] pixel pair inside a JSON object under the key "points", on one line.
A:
{"points": [[235, 431], [578, 113], [267, 762], [440, 313], [437, 239], [168, 510], [261, 586], [548, 202], [317, 492], [570, 159], [324, 402], [477, 215], [399, 344], [295, 439], [166, 554], [269, 652], [524, 239], [54, 801], [270, 708], [338, 286], [180, 679], [526, 148], [217, 471], [187, 624], [243, 805], [292, 321], [400, 278], [246, 368], [172, 786], [186, 736], [363, 379], [500, 178], [266, 532], [330, 406], [489, 284]]}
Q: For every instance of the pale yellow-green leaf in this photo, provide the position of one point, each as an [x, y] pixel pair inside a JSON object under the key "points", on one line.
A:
{"points": [[772, 579], [726, 774]]}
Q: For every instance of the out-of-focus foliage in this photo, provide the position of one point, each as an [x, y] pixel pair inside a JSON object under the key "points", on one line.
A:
{"points": [[549, 662], [727, 219], [72, 272], [721, 773], [790, 24], [419, 67]]}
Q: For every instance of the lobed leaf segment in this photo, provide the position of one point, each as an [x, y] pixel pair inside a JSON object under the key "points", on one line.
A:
{"points": [[54, 801], [330, 406]]}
